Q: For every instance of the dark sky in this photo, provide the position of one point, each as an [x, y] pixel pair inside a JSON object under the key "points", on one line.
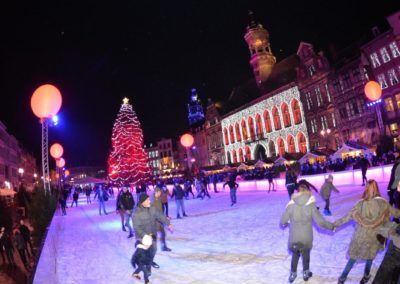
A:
{"points": [[97, 52]]}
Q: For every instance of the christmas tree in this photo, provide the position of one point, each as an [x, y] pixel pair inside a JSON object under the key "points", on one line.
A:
{"points": [[127, 162]]}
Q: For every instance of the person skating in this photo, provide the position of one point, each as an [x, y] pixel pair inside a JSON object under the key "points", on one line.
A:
{"points": [[21, 247], [88, 191], [7, 246], [178, 193], [126, 203], [188, 188], [141, 260], [299, 213], [26, 234], [145, 223], [364, 165], [120, 210], [394, 181], [325, 192], [270, 177], [102, 196], [290, 181], [75, 198], [370, 213], [233, 188], [160, 228], [215, 181], [63, 202]]}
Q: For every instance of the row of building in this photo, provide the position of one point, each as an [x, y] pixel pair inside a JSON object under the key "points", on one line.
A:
{"points": [[310, 100]]}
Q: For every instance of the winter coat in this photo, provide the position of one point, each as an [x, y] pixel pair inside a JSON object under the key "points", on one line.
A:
{"points": [[25, 232], [126, 201], [290, 179], [141, 256], [326, 189], [301, 211], [369, 215], [158, 205], [164, 195], [145, 221], [178, 193], [232, 184]]}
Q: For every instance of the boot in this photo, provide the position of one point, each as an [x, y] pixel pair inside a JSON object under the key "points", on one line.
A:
{"points": [[365, 279], [184, 215], [165, 248], [178, 216], [341, 280], [123, 228], [306, 275], [137, 276], [292, 276]]}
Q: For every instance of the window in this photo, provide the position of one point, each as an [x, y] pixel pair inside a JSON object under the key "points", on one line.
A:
{"points": [[286, 115], [356, 74], [328, 94], [343, 113], [336, 86], [346, 81], [397, 100], [251, 128], [318, 95], [324, 122], [237, 130], [231, 134], [385, 55], [277, 119], [226, 138], [314, 128], [244, 130], [394, 49], [382, 81], [375, 60], [365, 72], [311, 70], [259, 128], [333, 119], [309, 101], [392, 77], [267, 120], [296, 112], [291, 146], [337, 142], [389, 105]]}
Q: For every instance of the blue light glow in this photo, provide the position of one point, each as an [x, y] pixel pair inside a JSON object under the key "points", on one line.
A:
{"points": [[55, 119]]}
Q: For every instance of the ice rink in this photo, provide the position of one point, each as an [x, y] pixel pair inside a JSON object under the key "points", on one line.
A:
{"points": [[216, 244]]}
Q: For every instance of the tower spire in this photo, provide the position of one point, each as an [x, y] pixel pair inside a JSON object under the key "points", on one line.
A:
{"points": [[253, 24]]}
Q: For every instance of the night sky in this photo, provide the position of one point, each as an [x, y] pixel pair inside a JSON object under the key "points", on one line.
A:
{"points": [[98, 52]]}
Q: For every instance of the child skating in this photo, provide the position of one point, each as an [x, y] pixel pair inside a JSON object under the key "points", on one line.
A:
{"points": [[325, 192], [141, 259]]}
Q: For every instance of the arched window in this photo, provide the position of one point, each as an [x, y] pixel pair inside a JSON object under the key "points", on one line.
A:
{"points": [[237, 130], [228, 156], [277, 119], [291, 146], [244, 130], [259, 128], [281, 146], [251, 128], [296, 112], [272, 149], [241, 158], [231, 135], [234, 156], [302, 142], [248, 153], [226, 136], [267, 120], [286, 115]]}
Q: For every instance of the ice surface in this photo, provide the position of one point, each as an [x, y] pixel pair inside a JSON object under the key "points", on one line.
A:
{"points": [[216, 244]]}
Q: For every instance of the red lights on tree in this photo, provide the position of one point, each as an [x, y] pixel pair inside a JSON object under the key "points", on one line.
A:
{"points": [[46, 101], [187, 140], [127, 162], [56, 151], [373, 90]]}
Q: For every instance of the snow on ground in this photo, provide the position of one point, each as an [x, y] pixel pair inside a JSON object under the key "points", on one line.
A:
{"points": [[216, 244]]}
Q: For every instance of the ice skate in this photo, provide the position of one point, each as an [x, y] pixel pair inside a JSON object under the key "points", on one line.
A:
{"points": [[292, 276], [365, 279], [307, 275], [137, 276]]}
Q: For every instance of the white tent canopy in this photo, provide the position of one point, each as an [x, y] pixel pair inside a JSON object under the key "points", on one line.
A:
{"points": [[280, 161], [307, 156], [350, 151]]}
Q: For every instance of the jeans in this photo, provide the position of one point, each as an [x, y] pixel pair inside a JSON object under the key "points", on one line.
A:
{"points": [[180, 207], [364, 175], [128, 216], [102, 205], [88, 199], [305, 253], [233, 195], [350, 264], [327, 202], [165, 208], [76, 203]]}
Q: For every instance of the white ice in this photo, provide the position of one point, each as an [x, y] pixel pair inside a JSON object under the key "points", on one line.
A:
{"points": [[216, 244]]}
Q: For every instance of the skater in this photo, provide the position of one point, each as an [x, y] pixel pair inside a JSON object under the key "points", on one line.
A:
{"points": [[127, 203], [21, 247], [141, 260], [370, 213], [388, 271], [164, 198], [75, 198], [120, 210], [214, 181], [198, 186], [188, 189], [270, 178], [145, 223], [364, 165], [300, 212], [325, 191], [290, 181], [233, 188], [63, 202], [102, 196], [88, 191], [26, 234], [7, 246], [179, 194], [160, 228], [394, 180]]}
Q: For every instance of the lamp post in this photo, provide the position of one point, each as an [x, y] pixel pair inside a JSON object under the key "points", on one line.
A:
{"points": [[187, 141], [325, 134], [56, 151], [46, 102], [373, 92], [21, 173]]}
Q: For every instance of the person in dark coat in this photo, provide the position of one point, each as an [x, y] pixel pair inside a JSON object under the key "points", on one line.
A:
{"points": [[394, 181], [290, 181], [88, 192], [233, 188], [388, 271], [26, 234], [21, 247], [364, 165], [120, 210], [141, 260], [160, 227], [7, 246], [127, 203], [145, 223], [178, 193], [75, 198], [300, 212], [214, 181], [63, 202]]}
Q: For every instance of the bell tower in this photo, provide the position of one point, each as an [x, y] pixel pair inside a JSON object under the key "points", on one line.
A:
{"points": [[262, 60]]}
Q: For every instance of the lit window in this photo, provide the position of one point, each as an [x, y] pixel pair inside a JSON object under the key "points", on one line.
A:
{"points": [[333, 119], [398, 101], [382, 81], [392, 77], [314, 128], [375, 60], [319, 97], [389, 105], [385, 55], [365, 71], [328, 94], [309, 101], [394, 49], [311, 70], [324, 122]]}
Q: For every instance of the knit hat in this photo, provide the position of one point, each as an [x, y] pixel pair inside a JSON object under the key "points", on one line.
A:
{"points": [[147, 240], [143, 197]]}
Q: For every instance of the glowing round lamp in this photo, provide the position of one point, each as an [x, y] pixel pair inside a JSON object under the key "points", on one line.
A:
{"points": [[56, 151], [60, 163], [46, 101], [373, 90], [187, 140], [66, 173]]}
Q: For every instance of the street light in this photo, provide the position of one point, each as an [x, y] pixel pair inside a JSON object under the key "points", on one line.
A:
{"points": [[373, 92], [187, 141], [324, 134], [21, 172]]}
